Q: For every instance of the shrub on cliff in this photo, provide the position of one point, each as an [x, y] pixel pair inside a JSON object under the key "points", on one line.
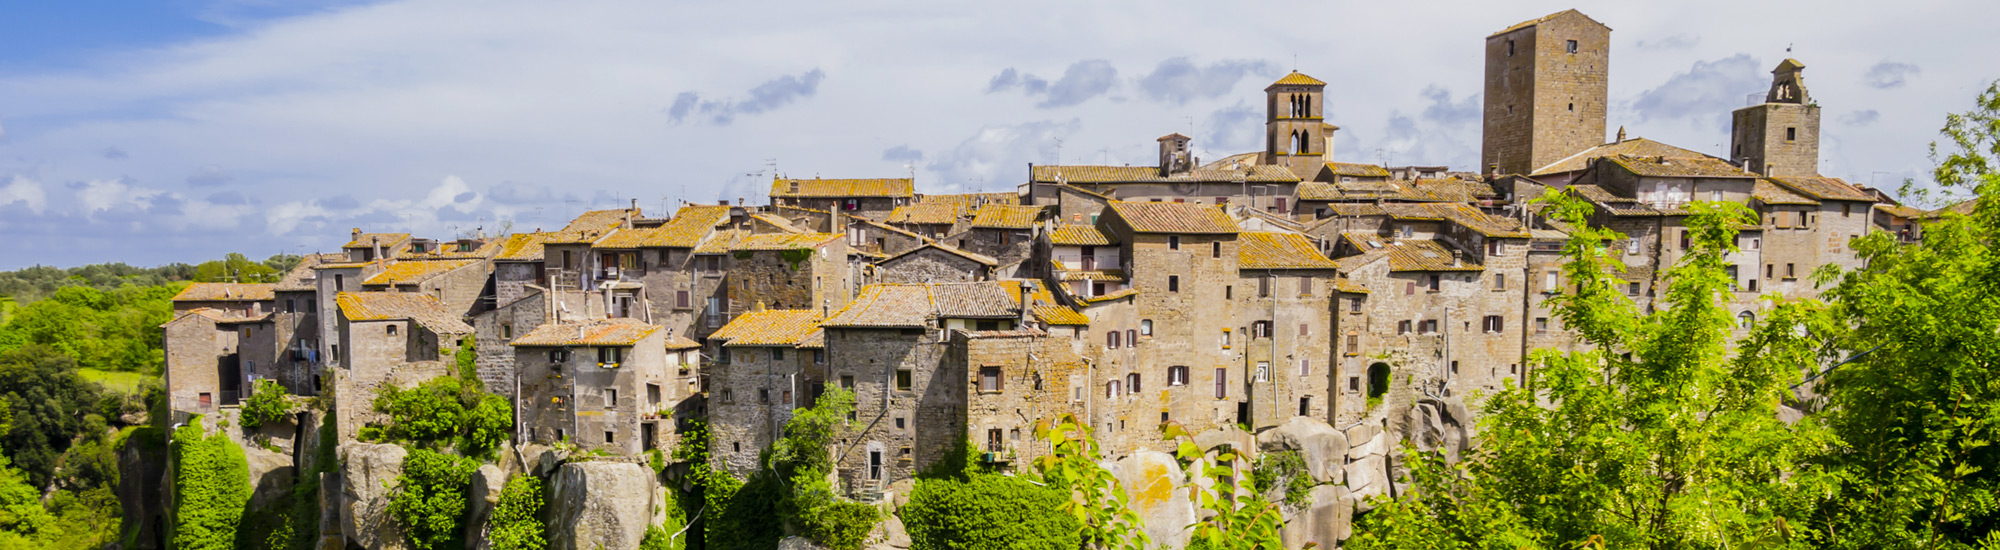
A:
{"points": [[211, 486], [514, 526], [985, 511], [430, 498]]}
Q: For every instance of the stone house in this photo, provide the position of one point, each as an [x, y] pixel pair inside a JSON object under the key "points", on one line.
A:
{"points": [[935, 263], [1084, 261], [295, 319], [758, 379], [789, 270], [1350, 172], [931, 220], [368, 247], [602, 384], [205, 369], [1285, 315], [388, 338], [869, 198], [457, 283], [1262, 186], [873, 237], [1004, 232]]}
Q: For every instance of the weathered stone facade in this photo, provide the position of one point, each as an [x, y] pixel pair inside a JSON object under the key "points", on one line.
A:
{"points": [[1546, 84]]}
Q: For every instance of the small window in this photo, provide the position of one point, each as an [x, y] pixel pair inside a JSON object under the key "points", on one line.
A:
{"points": [[1305, 405], [847, 382], [902, 379], [1215, 249], [1353, 344], [1132, 337], [819, 357], [1402, 327], [764, 396], [1111, 389], [1173, 242], [1221, 383], [900, 423], [681, 299], [610, 357], [1409, 288], [777, 354], [990, 379], [1305, 286], [507, 330], [1228, 292], [1177, 376], [1354, 305], [1500, 281], [392, 331], [1264, 286], [1305, 329], [1146, 327], [1305, 367], [1632, 289], [1541, 325], [1492, 323], [1225, 338], [1111, 340], [1132, 382], [1791, 134], [1571, 46], [610, 437], [1790, 272], [1632, 246], [1260, 329], [1353, 384], [728, 396], [1510, 47], [610, 397], [1173, 283]]}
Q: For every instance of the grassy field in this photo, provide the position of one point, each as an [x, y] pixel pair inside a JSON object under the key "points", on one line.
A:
{"points": [[127, 382]]}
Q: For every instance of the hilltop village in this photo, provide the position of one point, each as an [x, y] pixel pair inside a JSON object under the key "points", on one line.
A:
{"points": [[1252, 291]]}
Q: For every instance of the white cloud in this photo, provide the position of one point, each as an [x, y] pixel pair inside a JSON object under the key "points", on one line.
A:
{"points": [[25, 192]]}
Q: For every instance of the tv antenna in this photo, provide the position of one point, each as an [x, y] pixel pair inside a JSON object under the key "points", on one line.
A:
{"points": [[1058, 151]]}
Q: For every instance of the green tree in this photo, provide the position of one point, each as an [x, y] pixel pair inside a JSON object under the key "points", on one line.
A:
{"points": [[268, 402], [1653, 437], [235, 268], [430, 498], [49, 404], [514, 523], [1917, 414], [987, 511], [1097, 501], [22, 518]]}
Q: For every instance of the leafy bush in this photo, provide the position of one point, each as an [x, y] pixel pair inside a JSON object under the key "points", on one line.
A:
{"points": [[47, 402], [514, 526], [1289, 468], [656, 539], [430, 498], [840, 525], [267, 403], [211, 487], [488, 425], [988, 512], [431, 411]]}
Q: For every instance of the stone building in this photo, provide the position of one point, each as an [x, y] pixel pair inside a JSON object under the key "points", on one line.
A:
{"points": [[1546, 83], [1779, 137], [935, 263], [1296, 135], [931, 220], [867, 236], [870, 198], [758, 379], [221, 341], [388, 339], [1003, 232], [789, 270], [612, 384]]}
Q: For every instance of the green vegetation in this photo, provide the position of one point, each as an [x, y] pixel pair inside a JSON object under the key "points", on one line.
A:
{"points": [[790, 490], [514, 525], [211, 487], [958, 506], [430, 499], [268, 402], [1100, 503], [118, 382], [1226, 520], [1288, 468], [446, 409]]}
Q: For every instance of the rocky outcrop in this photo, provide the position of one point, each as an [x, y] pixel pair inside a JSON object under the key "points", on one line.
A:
{"points": [[1156, 489], [483, 495], [368, 472], [1326, 520], [142, 472], [1323, 448], [595, 505]]}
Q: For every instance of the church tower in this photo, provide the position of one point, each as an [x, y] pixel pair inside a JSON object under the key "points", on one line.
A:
{"points": [[1295, 128], [1779, 137], [1546, 83]]}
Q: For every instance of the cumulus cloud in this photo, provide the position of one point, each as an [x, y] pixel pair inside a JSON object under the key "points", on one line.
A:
{"points": [[209, 175], [1082, 81], [902, 153], [338, 202], [1704, 94], [1890, 74], [1001, 152], [1234, 129], [115, 153], [1862, 117], [1443, 110], [1676, 42], [772, 94], [24, 192], [1179, 80]]}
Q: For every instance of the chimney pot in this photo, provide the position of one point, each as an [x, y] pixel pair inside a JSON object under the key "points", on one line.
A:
{"points": [[356, 234]]}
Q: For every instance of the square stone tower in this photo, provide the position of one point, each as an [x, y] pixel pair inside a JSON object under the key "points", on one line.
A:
{"points": [[1295, 129], [1546, 82], [1779, 137]]}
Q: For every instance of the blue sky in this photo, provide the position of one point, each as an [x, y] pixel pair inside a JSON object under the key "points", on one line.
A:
{"points": [[179, 130]]}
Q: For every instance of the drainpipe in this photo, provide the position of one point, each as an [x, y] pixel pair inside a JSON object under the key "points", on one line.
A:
{"points": [[1270, 371]]}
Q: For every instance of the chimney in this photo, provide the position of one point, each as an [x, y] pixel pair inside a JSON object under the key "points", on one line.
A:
{"points": [[628, 213], [1457, 257], [356, 234], [376, 242], [1027, 304], [1621, 134]]}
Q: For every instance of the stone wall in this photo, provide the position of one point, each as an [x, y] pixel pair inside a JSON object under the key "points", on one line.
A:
{"points": [[931, 408], [755, 392], [930, 265]]}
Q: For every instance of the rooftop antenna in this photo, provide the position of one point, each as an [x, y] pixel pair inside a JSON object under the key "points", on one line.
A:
{"points": [[1058, 151], [1295, 61]]}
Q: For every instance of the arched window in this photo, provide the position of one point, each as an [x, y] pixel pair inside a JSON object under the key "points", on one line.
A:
{"points": [[1746, 319], [1306, 107], [1378, 380]]}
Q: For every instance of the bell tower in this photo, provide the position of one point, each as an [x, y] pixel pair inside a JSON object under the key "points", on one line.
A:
{"points": [[1779, 137], [1295, 127]]}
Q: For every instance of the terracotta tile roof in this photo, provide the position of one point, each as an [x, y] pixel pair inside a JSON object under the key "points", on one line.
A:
{"points": [[823, 188], [1150, 174], [297, 278], [784, 241], [1273, 250], [600, 221], [1616, 205], [1449, 190], [981, 259], [1413, 211], [770, 327], [1679, 167], [965, 203], [220, 317], [450, 250], [411, 272], [1544, 19], [802, 209], [1356, 210], [911, 305], [1108, 275], [1772, 193], [368, 240], [595, 332], [1824, 188], [775, 220], [1347, 285], [1357, 170], [889, 228], [524, 246], [1174, 217], [814, 340], [1109, 296], [1078, 235], [929, 214], [1425, 255], [1317, 191], [1899, 210], [1481, 222], [688, 226], [721, 242], [1061, 316], [1641, 147], [1001, 216], [418, 308], [1298, 78], [1964, 207], [227, 292]]}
